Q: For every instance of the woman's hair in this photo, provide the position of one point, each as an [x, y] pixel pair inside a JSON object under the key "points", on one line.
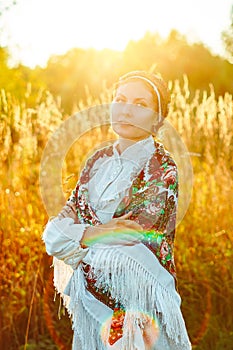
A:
{"points": [[155, 84]]}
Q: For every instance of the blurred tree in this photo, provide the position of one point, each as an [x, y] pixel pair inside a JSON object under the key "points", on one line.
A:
{"points": [[227, 37], [22, 82], [70, 74], [81, 73], [6, 73], [142, 53], [175, 57], [6, 5], [3, 57]]}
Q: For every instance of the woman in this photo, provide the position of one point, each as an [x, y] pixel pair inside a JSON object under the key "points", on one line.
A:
{"points": [[117, 232]]}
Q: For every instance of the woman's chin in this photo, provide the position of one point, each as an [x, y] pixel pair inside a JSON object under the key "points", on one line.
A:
{"points": [[129, 131], [124, 130]]}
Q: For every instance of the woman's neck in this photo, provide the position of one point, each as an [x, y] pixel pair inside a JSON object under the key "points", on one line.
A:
{"points": [[125, 143]]}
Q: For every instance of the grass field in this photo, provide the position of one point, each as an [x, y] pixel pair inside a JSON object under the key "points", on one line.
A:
{"points": [[203, 250]]}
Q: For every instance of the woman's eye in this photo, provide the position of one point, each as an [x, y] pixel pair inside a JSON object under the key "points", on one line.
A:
{"points": [[141, 104], [119, 100]]}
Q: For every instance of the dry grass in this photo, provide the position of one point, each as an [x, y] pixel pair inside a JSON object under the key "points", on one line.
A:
{"points": [[204, 237]]}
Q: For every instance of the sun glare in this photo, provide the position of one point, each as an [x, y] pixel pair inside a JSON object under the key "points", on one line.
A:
{"points": [[38, 29]]}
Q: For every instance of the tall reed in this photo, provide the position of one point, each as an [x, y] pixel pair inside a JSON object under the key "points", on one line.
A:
{"points": [[204, 240]]}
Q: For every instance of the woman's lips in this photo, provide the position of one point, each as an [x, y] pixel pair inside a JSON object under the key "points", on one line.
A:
{"points": [[123, 122]]}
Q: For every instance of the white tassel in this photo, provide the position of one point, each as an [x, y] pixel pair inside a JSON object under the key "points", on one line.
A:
{"points": [[87, 329], [62, 275]]}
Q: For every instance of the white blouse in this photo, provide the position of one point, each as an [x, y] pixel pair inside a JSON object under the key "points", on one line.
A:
{"points": [[113, 177]]}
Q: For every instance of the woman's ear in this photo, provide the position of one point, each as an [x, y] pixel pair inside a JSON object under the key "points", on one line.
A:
{"points": [[157, 126]]}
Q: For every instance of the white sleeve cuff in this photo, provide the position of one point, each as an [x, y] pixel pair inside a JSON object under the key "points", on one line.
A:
{"points": [[62, 240]]}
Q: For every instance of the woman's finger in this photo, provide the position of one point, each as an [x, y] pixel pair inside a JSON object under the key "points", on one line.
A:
{"points": [[61, 215], [68, 211], [72, 206], [125, 216], [67, 208]]}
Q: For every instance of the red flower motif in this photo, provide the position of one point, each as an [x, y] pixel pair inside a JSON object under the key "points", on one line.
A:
{"points": [[152, 208], [116, 330], [170, 177], [154, 165]]}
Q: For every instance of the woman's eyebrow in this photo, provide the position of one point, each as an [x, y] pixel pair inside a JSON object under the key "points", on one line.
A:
{"points": [[120, 96], [141, 99], [136, 99]]}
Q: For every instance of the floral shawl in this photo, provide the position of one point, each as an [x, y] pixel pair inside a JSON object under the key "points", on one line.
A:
{"points": [[152, 197]]}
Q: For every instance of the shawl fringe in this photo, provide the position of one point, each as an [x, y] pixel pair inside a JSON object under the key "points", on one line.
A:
{"points": [[131, 284], [141, 294]]}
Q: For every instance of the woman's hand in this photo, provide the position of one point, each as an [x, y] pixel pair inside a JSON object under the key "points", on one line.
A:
{"points": [[119, 230], [68, 211]]}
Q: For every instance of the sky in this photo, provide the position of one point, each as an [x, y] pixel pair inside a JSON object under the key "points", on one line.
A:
{"points": [[36, 29]]}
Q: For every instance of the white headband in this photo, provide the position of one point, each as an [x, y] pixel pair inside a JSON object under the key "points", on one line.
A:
{"points": [[155, 89]]}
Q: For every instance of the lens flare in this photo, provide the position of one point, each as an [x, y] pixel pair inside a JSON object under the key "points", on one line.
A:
{"points": [[81, 123], [112, 238], [143, 328]]}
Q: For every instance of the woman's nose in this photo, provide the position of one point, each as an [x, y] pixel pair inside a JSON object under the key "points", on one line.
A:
{"points": [[127, 109]]}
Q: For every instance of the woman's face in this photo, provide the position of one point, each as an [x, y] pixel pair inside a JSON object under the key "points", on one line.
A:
{"points": [[133, 111]]}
